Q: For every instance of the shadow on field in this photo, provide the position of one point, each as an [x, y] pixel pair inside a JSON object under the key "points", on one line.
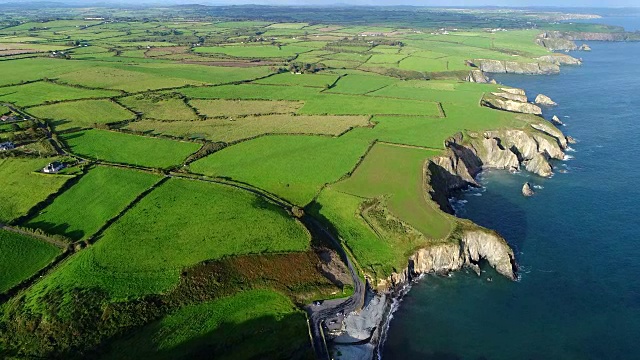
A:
{"points": [[57, 228], [266, 337]]}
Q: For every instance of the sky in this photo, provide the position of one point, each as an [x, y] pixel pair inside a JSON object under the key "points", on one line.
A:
{"points": [[448, 3]]}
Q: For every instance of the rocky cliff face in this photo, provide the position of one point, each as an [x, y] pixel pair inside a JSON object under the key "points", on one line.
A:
{"points": [[465, 158], [477, 76], [497, 101], [515, 67]]}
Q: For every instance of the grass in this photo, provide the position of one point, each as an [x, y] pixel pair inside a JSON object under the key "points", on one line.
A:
{"points": [[231, 130], [21, 188], [81, 114], [199, 222], [129, 149], [248, 325], [99, 196], [159, 107], [42, 92], [311, 80], [294, 167], [361, 105], [214, 108], [21, 256], [361, 83], [254, 51]]}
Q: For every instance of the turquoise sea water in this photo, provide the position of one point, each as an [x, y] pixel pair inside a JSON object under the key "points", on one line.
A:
{"points": [[577, 239]]}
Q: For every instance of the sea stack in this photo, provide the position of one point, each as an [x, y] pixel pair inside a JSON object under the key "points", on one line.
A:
{"points": [[557, 120], [584, 47], [571, 140], [527, 190], [542, 99]]}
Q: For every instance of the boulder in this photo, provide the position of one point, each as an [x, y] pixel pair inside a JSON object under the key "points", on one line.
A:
{"points": [[527, 190], [557, 120], [571, 140], [584, 47], [542, 99]]}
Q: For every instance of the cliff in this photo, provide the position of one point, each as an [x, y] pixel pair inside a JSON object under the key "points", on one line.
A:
{"points": [[565, 41], [515, 67], [509, 101], [465, 157]]}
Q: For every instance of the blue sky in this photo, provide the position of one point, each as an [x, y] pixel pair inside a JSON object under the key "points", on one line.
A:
{"points": [[513, 3]]}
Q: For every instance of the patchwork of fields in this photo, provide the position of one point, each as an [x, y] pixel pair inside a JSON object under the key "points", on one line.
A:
{"points": [[192, 148]]}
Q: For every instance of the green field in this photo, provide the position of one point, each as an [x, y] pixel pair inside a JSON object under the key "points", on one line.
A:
{"points": [[249, 325], [21, 187], [99, 196], [311, 80], [229, 108], [254, 51], [21, 256], [199, 222], [231, 130], [129, 149], [42, 92], [81, 114], [160, 107], [361, 83]]}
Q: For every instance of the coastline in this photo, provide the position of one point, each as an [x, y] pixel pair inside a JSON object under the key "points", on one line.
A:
{"points": [[454, 179]]}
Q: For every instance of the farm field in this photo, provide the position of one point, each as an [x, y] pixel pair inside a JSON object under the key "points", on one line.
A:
{"points": [[256, 323], [133, 259], [99, 196], [202, 144], [81, 114], [21, 187], [129, 149], [42, 92], [229, 108], [22, 256], [159, 107], [232, 130]]}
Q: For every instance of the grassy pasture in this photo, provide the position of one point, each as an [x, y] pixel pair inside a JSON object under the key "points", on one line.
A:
{"points": [[199, 221], [129, 149], [81, 114], [216, 108], [311, 80], [99, 196], [294, 167], [21, 256], [354, 105], [248, 325], [254, 51], [361, 83], [159, 107], [252, 92], [41, 92], [251, 126], [21, 188]]}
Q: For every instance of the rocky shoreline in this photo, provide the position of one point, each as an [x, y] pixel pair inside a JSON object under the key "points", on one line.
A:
{"points": [[467, 154]]}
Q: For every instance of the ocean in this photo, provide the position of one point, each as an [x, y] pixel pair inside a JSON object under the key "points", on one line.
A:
{"points": [[577, 240]]}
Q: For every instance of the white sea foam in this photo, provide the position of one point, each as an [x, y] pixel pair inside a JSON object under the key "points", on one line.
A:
{"points": [[540, 187], [570, 149], [568, 157]]}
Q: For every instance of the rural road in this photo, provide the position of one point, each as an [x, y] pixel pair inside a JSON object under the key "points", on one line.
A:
{"points": [[318, 314]]}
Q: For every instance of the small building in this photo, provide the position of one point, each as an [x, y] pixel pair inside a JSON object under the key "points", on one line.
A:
{"points": [[53, 167], [7, 146], [7, 118]]}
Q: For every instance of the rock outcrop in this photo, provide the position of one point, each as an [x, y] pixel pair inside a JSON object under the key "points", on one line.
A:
{"points": [[560, 59], [557, 120], [516, 67], [553, 42], [542, 99], [511, 96], [584, 47], [477, 76], [571, 140], [527, 190], [501, 103], [514, 91]]}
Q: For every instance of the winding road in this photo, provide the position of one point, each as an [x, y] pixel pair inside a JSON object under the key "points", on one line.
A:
{"points": [[318, 314]]}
